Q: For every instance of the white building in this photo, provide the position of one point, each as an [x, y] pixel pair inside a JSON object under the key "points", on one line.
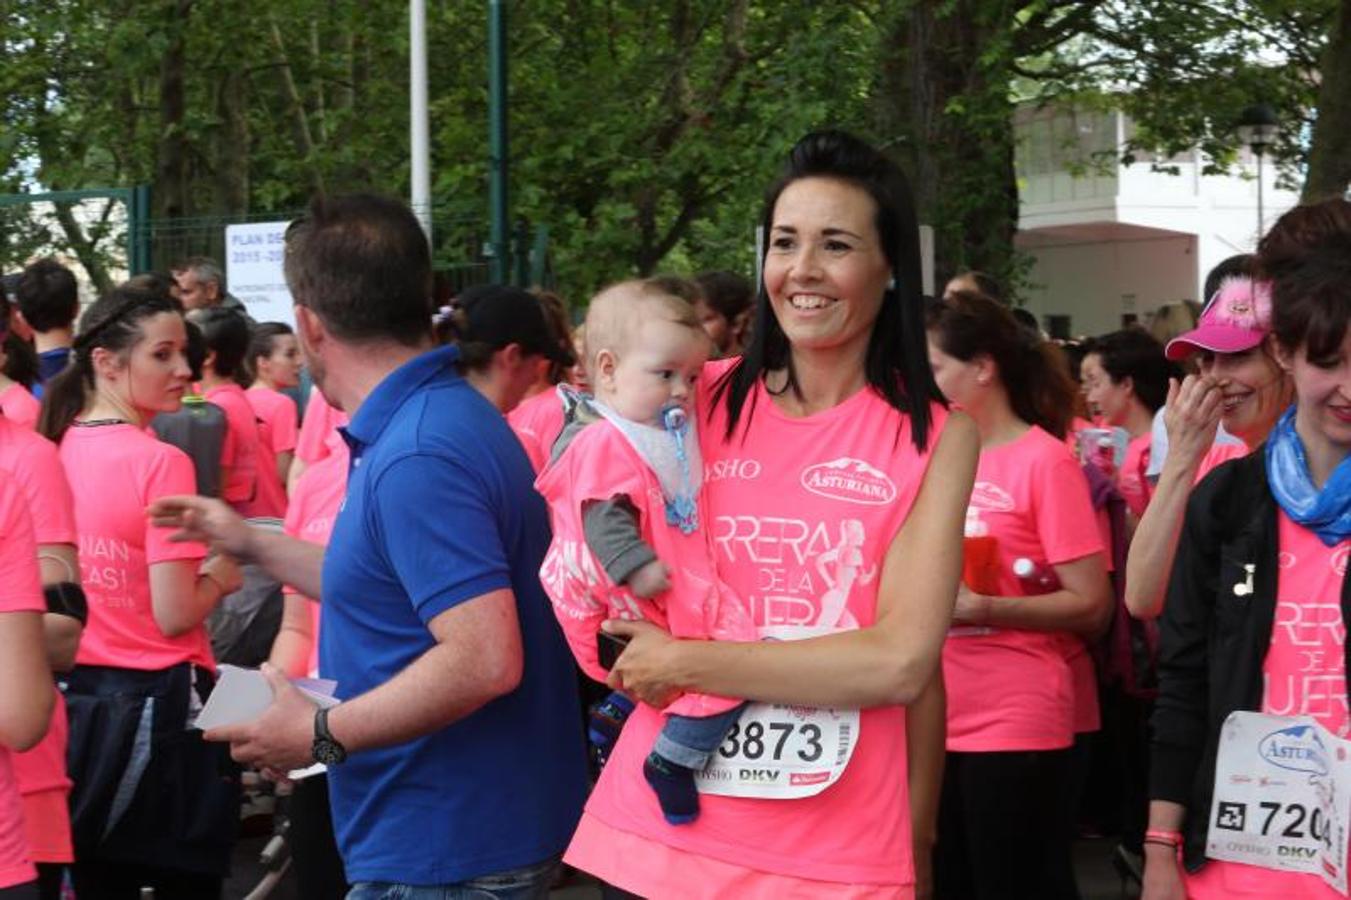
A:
{"points": [[1111, 243]]}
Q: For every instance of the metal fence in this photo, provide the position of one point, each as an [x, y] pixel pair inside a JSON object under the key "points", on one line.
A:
{"points": [[112, 229]]}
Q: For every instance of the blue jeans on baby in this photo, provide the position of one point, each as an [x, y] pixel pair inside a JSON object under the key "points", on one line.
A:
{"points": [[690, 742]]}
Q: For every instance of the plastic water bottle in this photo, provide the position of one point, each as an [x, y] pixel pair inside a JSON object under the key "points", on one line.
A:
{"points": [[1035, 579]]}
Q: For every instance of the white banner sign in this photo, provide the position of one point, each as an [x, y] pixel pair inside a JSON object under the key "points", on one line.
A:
{"points": [[253, 270], [1282, 796]]}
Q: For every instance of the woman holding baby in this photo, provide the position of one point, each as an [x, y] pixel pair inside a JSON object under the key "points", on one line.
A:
{"points": [[836, 489]]}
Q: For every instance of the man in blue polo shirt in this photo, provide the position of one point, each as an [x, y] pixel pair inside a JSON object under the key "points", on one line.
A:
{"points": [[455, 759]]}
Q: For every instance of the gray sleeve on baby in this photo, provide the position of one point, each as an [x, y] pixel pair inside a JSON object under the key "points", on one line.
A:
{"points": [[611, 529]]}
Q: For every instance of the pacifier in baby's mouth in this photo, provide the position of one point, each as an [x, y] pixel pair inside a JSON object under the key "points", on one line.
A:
{"points": [[681, 510], [673, 418]]}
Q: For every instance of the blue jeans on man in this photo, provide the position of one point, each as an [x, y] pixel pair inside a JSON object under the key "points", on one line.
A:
{"points": [[525, 883]]}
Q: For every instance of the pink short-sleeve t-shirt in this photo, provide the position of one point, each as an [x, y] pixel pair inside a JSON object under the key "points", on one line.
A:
{"points": [[279, 412], [1131, 481], [251, 467], [802, 512], [35, 464], [537, 422], [115, 471], [1010, 689], [1304, 674], [20, 591], [314, 507], [601, 464], [319, 430], [18, 405], [1217, 455]]}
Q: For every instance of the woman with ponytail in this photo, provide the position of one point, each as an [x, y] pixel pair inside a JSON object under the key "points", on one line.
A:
{"points": [[1039, 591], [153, 805]]}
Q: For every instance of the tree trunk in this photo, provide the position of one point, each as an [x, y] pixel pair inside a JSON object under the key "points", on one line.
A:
{"points": [[943, 102], [295, 109], [84, 249], [170, 193], [1330, 146], [232, 144]]}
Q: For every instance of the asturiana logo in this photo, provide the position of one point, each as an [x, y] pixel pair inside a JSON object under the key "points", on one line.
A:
{"points": [[849, 479], [1339, 561], [1297, 748]]}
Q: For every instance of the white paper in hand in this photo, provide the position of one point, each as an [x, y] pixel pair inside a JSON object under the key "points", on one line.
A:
{"points": [[242, 695]]}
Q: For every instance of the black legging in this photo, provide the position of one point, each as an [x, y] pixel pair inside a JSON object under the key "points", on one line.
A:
{"points": [[1000, 833]]}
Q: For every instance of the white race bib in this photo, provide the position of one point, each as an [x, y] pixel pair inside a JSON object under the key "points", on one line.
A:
{"points": [[781, 752], [1281, 796]]}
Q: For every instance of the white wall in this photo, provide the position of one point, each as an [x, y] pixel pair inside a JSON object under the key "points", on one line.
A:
{"points": [[1095, 283]]}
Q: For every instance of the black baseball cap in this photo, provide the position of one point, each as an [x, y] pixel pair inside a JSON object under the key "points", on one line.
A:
{"points": [[498, 315]]}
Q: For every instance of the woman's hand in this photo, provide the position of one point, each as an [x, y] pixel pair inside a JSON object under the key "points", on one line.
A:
{"points": [[971, 608], [646, 667], [1192, 417], [1163, 875], [224, 571]]}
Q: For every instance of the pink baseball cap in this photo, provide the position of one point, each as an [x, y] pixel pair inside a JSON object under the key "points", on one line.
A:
{"points": [[1237, 318]]}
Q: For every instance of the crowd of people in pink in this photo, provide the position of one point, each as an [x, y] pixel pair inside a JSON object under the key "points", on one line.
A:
{"points": [[810, 587]]}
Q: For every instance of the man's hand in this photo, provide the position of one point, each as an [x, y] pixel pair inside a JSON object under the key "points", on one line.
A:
{"points": [[650, 580], [282, 738], [644, 669], [205, 520]]}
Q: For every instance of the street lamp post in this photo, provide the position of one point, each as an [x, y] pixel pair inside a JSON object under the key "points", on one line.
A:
{"points": [[1258, 127]]}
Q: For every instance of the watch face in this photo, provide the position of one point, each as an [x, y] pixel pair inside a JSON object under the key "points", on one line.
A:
{"points": [[327, 752]]}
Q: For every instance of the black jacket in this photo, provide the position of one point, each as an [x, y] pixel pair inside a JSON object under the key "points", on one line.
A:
{"points": [[1213, 640]]}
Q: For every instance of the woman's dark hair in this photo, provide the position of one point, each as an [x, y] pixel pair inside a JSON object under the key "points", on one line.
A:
{"points": [[113, 323], [1133, 353], [1307, 257], [262, 343], [1033, 371], [986, 283], [897, 362], [560, 326], [729, 294], [226, 333], [21, 360], [1239, 265]]}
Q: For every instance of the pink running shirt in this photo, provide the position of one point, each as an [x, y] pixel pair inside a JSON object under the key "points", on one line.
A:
{"points": [[20, 406], [20, 591], [803, 511], [1131, 481], [241, 453], [538, 421], [319, 429], [279, 412], [1010, 689], [1217, 455], [35, 464], [601, 464], [1304, 674], [314, 507], [115, 471]]}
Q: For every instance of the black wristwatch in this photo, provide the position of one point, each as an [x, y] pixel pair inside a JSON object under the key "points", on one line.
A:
{"points": [[326, 748]]}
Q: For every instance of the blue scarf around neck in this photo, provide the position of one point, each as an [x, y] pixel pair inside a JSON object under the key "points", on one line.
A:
{"points": [[1326, 512]]}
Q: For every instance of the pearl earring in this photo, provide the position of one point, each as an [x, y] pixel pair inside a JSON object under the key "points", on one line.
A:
{"points": [[891, 283]]}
